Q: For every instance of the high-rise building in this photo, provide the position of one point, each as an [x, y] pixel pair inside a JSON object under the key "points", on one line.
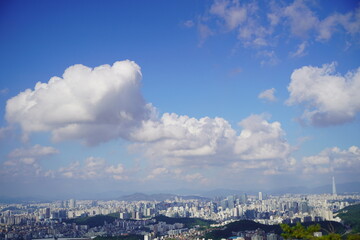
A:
{"points": [[72, 203], [231, 202], [224, 204], [47, 213], [333, 186], [260, 196]]}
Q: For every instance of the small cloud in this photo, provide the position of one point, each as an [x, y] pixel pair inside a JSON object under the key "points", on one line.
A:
{"points": [[5, 132], [271, 172], [115, 169], [35, 152], [30, 156], [189, 23], [93, 168], [157, 171], [300, 50], [301, 18], [4, 91], [235, 72], [268, 95], [204, 32], [9, 163], [232, 14], [268, 57], [28, 160]]}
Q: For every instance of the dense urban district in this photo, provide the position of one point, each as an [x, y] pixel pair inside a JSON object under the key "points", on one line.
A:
{"points": [[245, 217]]}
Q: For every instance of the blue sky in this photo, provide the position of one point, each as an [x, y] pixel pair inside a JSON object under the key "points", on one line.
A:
{"points": [[193, 95]]}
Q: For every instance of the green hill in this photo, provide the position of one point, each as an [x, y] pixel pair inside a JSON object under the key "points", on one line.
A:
{"points": [[248, 225], [242, 225], [351, 216]]}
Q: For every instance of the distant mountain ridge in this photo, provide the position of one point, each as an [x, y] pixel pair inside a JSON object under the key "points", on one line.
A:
{"points": [[156, 197], [147, 197]]}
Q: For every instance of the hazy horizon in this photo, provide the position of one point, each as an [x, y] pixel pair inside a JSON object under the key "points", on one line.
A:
{"points": [[140, 96]]}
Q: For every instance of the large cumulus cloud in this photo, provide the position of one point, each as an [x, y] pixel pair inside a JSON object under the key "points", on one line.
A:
{"points": [[105, 103], [261, 139], [328, 98], [177, 141], [94, 105]]}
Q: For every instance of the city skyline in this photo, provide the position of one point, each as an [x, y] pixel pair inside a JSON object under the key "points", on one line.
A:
{"points": [[172, 216], [125, 96]]}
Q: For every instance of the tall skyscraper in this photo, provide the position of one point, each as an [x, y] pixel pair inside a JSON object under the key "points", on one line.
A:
{"points": [[47, 213], [72, 203], [260, 196], [333, 186], [231, 202]]}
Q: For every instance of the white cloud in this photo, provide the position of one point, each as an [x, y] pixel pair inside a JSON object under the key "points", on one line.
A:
{"points": [[28, 160], [93, 168], [157, 171], [119, 169], [235, 71], [25, 167], [181, 142], [25, 162], [180, 137], [195, 177], [105, 103], [300, 17], [333, 160], [231, 12], [328, 98], [29, 156], [35, 151], [327, 27], [4, 91], [300, 50], [263, 28], [204, 32], [235, 16], [350, 22], [5, 132], [94, 105], [268, 95], [177, 174], [303, 21], [274, 18], [253, 34], [261, 140], [268, 57], [189, 23]]}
